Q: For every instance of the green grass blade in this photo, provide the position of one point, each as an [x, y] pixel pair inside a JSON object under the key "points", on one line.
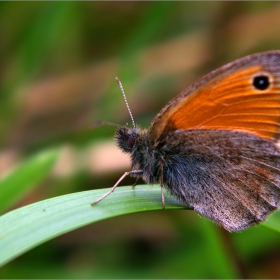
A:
{"points": [[26, 227], [24, 177]]}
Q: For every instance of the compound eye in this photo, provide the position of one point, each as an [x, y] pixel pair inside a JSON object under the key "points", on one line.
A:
{"points": [[131, 141]]}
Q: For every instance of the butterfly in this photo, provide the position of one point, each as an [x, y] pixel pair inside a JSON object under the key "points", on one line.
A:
{"points": [[215, 146]]}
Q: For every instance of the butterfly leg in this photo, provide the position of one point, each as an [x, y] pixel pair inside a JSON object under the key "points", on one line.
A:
{"points": [[113, 188], [162, 197], [162, 189], [135, 183]]}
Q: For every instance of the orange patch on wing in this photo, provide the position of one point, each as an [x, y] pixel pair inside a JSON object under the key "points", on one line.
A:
{"points": [[230, 103]]}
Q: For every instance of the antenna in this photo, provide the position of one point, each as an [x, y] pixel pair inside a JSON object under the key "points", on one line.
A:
{"points": [[125, 100], [99, 123]]}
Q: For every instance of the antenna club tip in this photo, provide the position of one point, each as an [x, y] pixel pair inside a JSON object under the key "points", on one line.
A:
{"points": [[117, 79]]}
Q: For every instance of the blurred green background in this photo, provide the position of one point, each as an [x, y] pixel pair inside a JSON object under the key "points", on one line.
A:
{"points": [[58, 64]]}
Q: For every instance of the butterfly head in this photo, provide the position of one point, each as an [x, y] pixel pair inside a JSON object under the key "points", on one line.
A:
{"points": [[127, 138]]}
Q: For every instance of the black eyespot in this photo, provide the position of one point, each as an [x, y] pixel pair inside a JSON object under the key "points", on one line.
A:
{"points": [[261, 82]]}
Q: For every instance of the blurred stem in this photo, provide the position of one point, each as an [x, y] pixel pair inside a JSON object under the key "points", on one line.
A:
{"points": [[220, 257]]}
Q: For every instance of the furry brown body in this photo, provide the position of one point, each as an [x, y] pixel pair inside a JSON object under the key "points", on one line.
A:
{"points": [[213, 171], [215, 145]]}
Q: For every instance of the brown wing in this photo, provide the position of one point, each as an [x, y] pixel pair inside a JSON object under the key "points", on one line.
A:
{"points": [[227, 99]]}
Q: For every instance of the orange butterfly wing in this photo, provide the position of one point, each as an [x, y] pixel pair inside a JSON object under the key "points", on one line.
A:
{"points": [[226, 99]]}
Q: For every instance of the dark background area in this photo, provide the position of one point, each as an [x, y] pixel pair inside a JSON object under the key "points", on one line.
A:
{"points": [[58, 64]]}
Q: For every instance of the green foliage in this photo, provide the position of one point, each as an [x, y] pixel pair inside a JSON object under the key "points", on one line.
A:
{"points": [[25, 177], [31, 225], [26, 227], [58, 63]]}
